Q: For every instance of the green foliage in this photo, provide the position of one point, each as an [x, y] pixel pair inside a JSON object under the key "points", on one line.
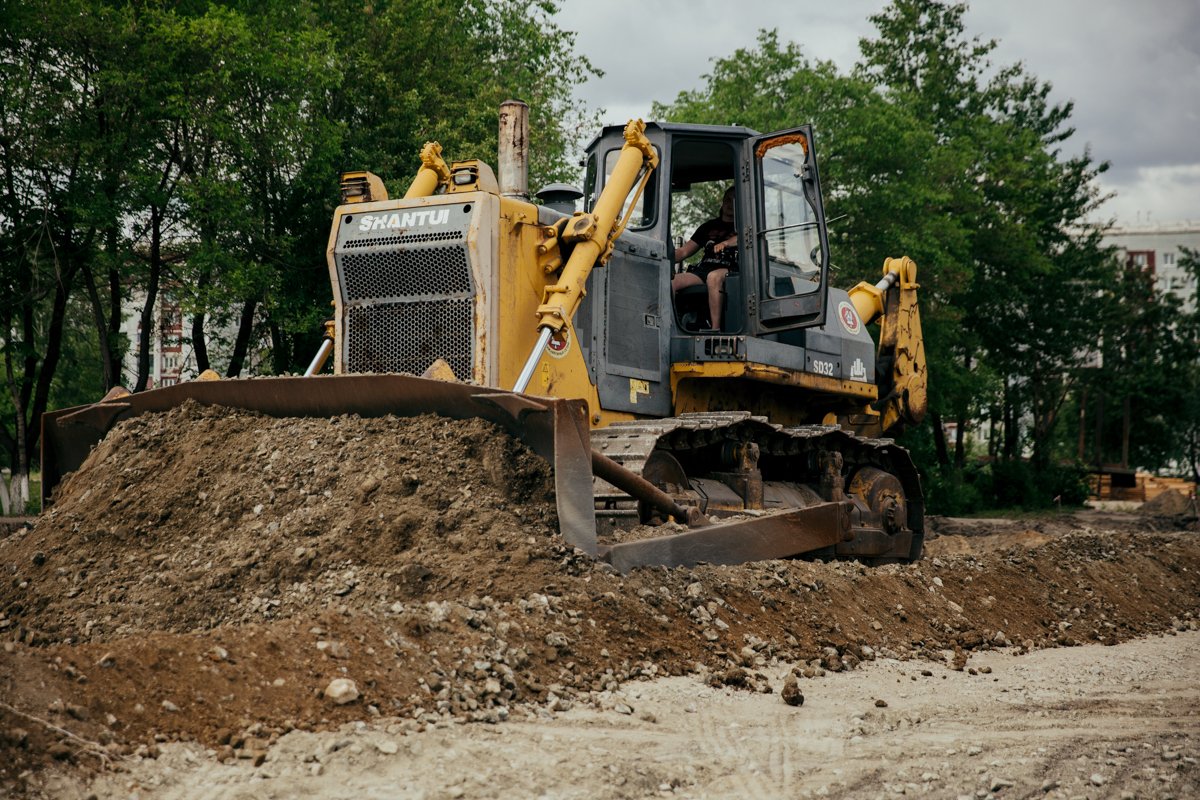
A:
{"points": [[929, 150], [191, 151]]}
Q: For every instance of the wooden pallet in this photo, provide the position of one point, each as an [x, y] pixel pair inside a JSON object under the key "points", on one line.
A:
{"points": [[1148, 487]]}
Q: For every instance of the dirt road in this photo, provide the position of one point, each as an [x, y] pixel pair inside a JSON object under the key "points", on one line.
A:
{"points": [[1092, 722]]}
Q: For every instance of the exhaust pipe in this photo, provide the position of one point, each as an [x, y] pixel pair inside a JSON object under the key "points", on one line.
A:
{"points": [[513, 159]]}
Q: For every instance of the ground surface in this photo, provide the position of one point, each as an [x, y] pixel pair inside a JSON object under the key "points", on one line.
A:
{"points": [[177, 619]]}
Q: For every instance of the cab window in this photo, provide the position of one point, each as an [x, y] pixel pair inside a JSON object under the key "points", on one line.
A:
{"points": [[644, 212], [790, 226]]}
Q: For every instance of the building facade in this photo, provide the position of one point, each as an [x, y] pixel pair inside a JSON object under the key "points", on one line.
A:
{"points": [[1157, 248]]}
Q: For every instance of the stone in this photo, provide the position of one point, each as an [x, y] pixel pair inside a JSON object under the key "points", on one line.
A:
{"points": [[169, 706], [387, 747], [342, 691], [106, 661], [881, 704], [334, 649], [791, 693], [1097, 779]]}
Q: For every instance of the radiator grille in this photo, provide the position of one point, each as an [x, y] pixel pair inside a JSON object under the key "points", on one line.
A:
{"points": [[409, 336], [410, 272]]}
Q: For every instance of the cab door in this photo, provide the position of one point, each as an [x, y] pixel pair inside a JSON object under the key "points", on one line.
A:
{"points": [[789, 251]]}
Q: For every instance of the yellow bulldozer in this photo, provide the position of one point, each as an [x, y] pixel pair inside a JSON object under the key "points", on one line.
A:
{"points": [[759, 437]]}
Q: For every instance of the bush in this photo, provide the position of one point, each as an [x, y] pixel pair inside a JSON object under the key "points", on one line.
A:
{"points": [[1004, 485], [953, 493]]}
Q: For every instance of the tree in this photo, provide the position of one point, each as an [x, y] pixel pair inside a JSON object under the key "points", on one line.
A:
{"points": [[191, 150], [1034, 257], [928, 151], [60, 141]]}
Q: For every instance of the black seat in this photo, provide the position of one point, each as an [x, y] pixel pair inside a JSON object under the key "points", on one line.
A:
{"points": [[691, 308]]}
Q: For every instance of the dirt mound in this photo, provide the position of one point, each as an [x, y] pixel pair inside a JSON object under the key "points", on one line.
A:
{"points": [[1170, 504], [278, 517], [206, 575]]}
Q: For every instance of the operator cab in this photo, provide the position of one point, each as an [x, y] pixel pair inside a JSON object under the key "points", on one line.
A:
{"points": [[779, 270]]}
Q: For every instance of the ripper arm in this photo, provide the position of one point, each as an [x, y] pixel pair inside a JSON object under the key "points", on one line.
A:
{"points": [[893, 301]]}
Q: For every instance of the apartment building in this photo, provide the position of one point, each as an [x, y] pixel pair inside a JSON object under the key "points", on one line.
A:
{"points": [[1158, 248]]}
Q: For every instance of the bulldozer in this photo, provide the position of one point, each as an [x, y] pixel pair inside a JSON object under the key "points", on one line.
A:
{"points": [[760, 437]]}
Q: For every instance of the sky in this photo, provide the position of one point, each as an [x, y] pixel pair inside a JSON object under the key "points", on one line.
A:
{"points": [[1132, 70]]}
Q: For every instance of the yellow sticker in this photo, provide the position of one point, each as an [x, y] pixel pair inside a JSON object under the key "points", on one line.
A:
{"points": [[637, 387]]}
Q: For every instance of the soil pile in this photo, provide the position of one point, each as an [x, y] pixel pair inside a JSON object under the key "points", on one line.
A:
{"points": [[277, 517], [1170, 504], [207, 574]]}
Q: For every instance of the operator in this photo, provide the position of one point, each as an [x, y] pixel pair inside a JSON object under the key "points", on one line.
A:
{"points": [[718, 238]]}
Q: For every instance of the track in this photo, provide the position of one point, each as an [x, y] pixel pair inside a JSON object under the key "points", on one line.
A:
{"points": [[786, 455]]}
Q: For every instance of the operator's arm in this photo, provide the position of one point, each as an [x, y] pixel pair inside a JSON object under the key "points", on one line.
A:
{"points": [[686, 250], [730, 242], [704, 234]]}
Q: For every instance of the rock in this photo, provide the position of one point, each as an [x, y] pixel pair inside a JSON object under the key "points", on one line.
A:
{"points": [[59, 751], [106, 661], [387, 747], [342, 691], [1097, 779], [881, 704], [334, 649], [791, 693], [170, 707]]}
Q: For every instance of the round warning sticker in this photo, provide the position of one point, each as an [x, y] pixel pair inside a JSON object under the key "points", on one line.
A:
{"points": [[559, 344], [849, 318]]}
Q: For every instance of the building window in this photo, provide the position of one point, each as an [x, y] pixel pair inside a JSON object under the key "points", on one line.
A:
{"points": [[1141, 259], [1168, 258]]}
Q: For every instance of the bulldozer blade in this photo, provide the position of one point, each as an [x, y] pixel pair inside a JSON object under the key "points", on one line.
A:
{"points": [[782, 535], [555, 429]]}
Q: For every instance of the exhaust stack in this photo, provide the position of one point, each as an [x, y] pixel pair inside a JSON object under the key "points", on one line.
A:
{"points": [[513, 159]]}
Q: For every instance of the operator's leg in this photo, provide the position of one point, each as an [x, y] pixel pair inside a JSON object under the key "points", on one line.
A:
{"points": [[716, 287], [683, 279]]}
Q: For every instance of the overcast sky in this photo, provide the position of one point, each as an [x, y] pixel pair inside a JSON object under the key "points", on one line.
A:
{"points": [[1131, 68]]}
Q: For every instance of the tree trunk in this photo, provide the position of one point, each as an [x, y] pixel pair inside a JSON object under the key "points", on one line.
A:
{"points": [[1126, 411], [53, 351], [1081, 452], [241, 345], [960, 420], [279, 348], [960, 441], [199, 344], [99, 319], [1011, 431], [14, 493], [939, 439], [149, 317]]}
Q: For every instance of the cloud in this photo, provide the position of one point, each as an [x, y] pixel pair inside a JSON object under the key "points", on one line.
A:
{"points": [[1132, 70], [1152, 189]]}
